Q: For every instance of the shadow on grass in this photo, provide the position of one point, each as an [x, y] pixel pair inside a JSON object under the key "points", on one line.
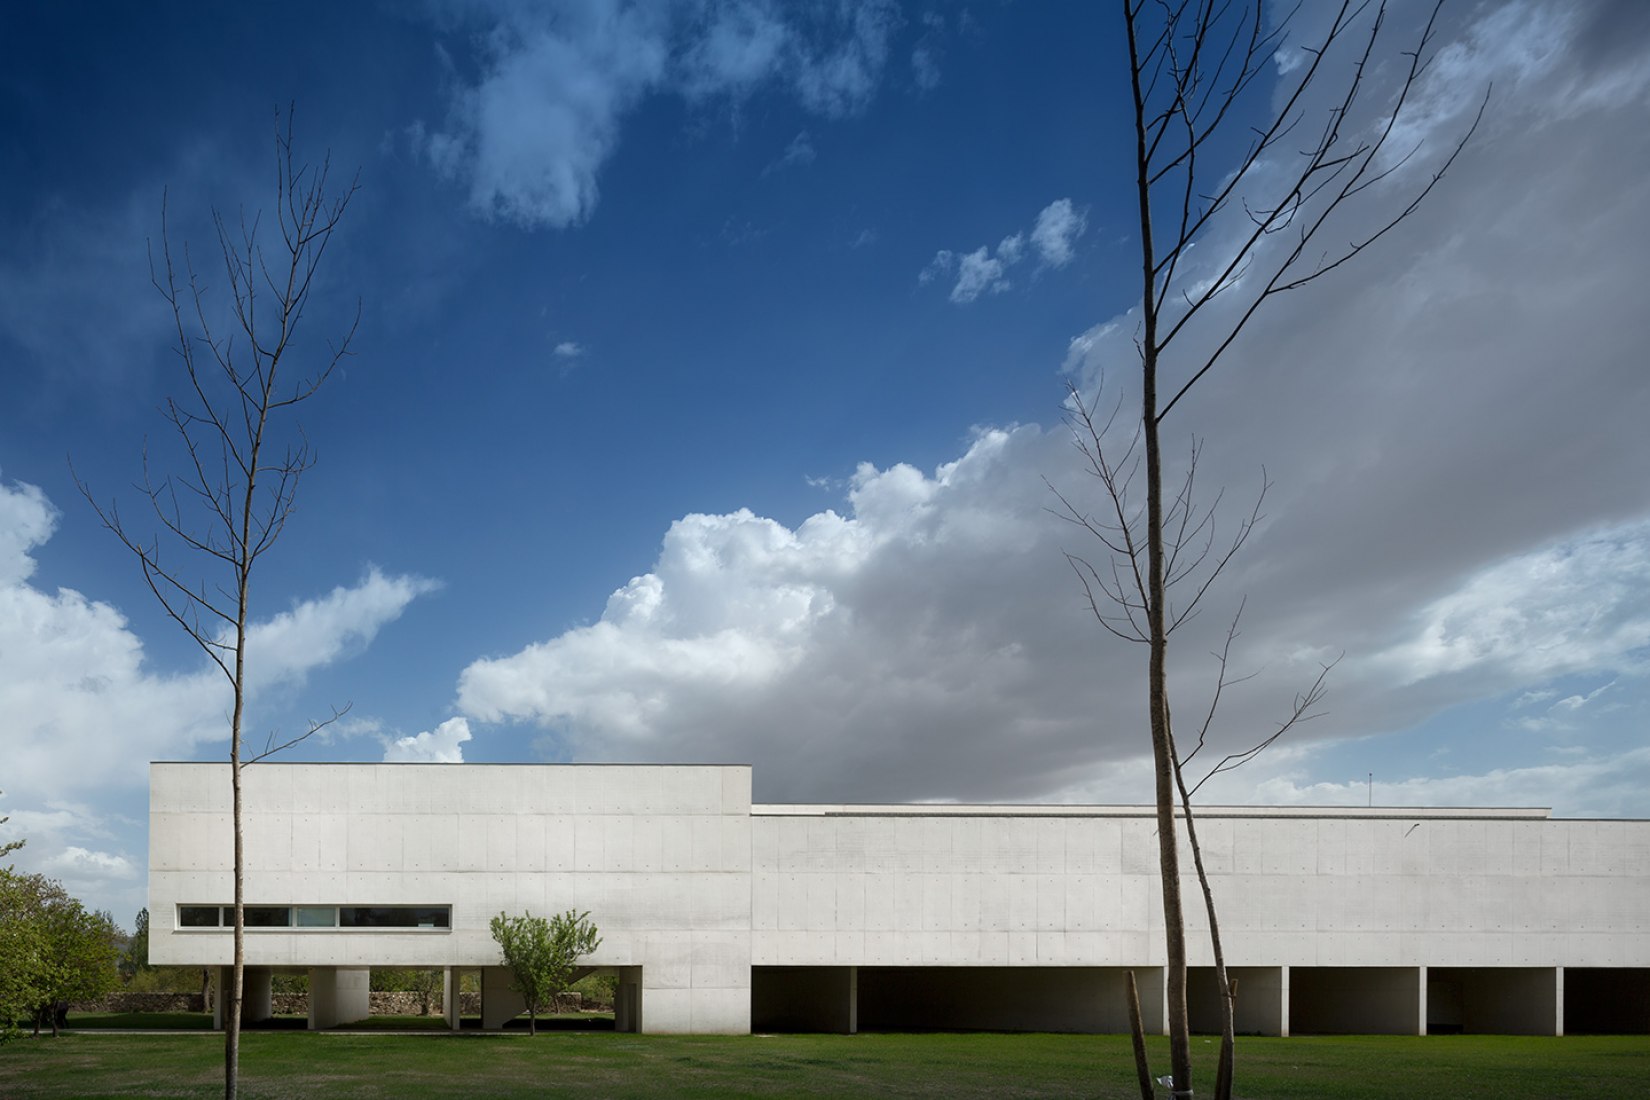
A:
{"points": [[567, 1021], [140, 1021]]}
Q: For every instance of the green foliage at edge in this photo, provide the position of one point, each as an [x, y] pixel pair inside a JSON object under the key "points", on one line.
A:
{"points": [[53, 948]]}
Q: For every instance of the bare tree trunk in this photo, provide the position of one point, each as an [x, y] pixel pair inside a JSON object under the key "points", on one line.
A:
{"points": [[1163, 758], [1225, 987], [246, 542], [232, 1008], [1189, 67], [1137, 1031]]}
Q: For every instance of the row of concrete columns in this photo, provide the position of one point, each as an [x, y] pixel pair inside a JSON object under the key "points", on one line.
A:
{"points": [[1270, 1000]]}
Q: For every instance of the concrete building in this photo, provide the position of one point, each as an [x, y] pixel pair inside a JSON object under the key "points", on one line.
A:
{"points": [[723, 916]]}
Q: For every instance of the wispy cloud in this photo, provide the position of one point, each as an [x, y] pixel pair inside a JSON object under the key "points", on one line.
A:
{"points": [[798, 153], [530, 134], [985, 270], [1056, 232], [926, 54]]}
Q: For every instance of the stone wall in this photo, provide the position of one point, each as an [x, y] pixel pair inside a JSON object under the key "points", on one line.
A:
{"points": [[406, 1004], [297, 1004], [143, 1002]]}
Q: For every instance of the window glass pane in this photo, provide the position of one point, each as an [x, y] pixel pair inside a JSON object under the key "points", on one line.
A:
{"points": [[317, 916], [430, 916], [394, 916], [267, 916], [197, 916]]}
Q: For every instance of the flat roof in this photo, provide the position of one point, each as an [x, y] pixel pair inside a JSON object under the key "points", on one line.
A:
{"points": [[948, 809]]}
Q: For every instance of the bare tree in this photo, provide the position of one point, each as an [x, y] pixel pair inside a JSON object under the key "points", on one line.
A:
{"points": [[1325, 152], [9, 846], [236, 490]]}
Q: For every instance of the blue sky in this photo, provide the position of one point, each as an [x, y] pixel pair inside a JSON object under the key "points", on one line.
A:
{"points": [[708, 388]]}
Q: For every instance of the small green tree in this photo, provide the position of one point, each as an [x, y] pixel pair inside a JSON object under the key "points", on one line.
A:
{"points": [[54, 949], [542, 954], [142, 976], [425, 983], [135, 959]]}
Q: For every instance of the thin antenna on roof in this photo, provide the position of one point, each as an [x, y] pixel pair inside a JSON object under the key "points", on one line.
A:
{"points": [[1372, 789]]}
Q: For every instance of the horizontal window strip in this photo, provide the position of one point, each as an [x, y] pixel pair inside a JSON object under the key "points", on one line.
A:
{"points": [[344, 917]]}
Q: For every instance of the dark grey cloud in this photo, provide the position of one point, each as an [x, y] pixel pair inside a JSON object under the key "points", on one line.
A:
{"points": [[1452, 426]]}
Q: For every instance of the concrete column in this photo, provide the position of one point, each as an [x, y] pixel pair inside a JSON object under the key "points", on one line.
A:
{"points": [[320, 997], [1558, 1000], [627, 1000], [853, 1000], [257, 997], [1262, 1000], [499, 1003], [449, 997], [1421, 1001], [257, 994], [338, 995], [354, 994]]}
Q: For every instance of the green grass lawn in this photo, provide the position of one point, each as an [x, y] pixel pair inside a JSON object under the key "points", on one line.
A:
{"points": [[188, 1021], [300, 1064]]}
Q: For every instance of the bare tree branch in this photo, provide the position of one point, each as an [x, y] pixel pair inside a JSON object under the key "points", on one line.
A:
{"points": [[1196, 67], [1303, 711], [238, 486], [270, 748]]}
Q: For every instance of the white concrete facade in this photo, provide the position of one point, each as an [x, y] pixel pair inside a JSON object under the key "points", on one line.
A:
{"points": [[834, 917]]}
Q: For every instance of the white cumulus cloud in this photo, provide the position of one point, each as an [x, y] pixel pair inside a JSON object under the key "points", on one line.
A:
{"points": [[84, 708], [27, 519], [442, 745], [77, 862]]}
